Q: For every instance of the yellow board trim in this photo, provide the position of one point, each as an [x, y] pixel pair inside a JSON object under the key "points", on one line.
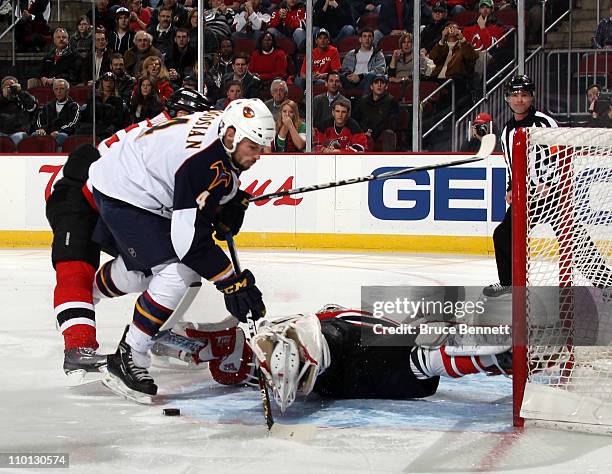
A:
{"points": [[305, 241]]}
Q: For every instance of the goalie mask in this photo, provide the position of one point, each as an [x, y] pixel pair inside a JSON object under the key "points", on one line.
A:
{"points": [[291, 352]]}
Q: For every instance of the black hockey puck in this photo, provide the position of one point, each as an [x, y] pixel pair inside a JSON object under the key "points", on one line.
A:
{"points": [[172, 411]]}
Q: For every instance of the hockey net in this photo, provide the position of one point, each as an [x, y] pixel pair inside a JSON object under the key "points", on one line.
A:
{"points": [[562, 274]]}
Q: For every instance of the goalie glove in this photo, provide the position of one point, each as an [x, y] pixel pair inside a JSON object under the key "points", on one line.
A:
{"points": [[229, 219], [291, 352], [242, 296]]}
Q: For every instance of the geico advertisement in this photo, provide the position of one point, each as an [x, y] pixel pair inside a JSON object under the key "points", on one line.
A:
{"points": [[464, 200]]}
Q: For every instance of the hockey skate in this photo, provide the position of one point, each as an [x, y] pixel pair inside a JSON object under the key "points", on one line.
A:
{"points": [[83, 365], [127, 379], [496, 289]]}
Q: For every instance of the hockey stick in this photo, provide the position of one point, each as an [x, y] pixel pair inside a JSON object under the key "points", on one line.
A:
{"points": [[487, 146], [297, 432], [181, 309]]}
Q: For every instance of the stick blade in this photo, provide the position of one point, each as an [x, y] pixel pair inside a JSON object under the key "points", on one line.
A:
{"points": [[487, 145], [293, 432]]}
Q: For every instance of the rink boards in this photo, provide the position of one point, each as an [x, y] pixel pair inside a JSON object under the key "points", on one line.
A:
{"points": [[449, 210]]}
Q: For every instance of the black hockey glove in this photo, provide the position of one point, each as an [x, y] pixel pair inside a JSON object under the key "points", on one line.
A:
{"points": [[242, 296], [231, 215]]}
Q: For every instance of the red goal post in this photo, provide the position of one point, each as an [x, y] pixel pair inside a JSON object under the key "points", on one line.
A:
{"points": [[562, 273]]}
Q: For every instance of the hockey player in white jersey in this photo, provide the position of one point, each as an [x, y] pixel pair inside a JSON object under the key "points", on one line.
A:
{"points": [[75, 257], [161, 193]]}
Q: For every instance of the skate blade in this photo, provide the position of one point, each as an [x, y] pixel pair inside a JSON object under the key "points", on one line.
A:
{"points": [[116, 385], [76, 378]]}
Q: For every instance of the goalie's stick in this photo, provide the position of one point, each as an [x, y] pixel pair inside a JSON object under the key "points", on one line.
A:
{"points": [[298, 432], [487, 146]]}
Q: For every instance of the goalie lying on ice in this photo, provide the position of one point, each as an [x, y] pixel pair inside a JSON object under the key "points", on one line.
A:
{"points": [[325, 353]]}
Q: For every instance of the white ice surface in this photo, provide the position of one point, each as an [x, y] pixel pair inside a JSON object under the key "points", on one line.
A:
{"points": [[465, 427]]}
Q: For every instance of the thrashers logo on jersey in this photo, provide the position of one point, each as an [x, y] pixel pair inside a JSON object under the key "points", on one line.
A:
{"points": [[222, 176]]}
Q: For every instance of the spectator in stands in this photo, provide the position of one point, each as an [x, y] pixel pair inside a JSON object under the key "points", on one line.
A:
{"points": [[396, 17], [178, 16], [211, 43], [360, 65], [81, 40], [99, 63], [145, 103], [32, 28], [322, 103], [181, 60], [432, 33], [268, 61], [223, 61], [16, 110], [250, 83], [378, 113], [486, 30], [252, 21], [141, 50], [457, 6], [340, 133], [60, 63], [592, 93], [603, 34], [211, 91], [153, 69], [400, 66], [60, 117], [123, 82], [279, 92], [140, 16], [336, 17], [601, 114], [482, 34], [219, 18], [454, 58], [325, 58], [364, 7], [121, 38], [103, 15], [163, 33], [481, 126], [233, 91], [289, 20], [290, 129], [112, 113]]}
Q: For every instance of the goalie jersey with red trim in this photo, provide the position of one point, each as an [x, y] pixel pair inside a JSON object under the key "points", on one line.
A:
{"points": [[362, 370]]}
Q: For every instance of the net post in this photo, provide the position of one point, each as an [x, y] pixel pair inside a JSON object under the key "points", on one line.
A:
{"points": [[519, 273]]}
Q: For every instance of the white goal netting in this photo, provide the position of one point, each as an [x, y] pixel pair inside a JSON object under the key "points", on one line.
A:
{"points": [[569, 275]]}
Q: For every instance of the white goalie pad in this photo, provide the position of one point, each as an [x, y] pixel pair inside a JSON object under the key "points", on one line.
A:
{"points": [[291, 352]]}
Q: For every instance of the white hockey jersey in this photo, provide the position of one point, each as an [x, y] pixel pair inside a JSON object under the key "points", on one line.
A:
{"points": [[176, 168]]}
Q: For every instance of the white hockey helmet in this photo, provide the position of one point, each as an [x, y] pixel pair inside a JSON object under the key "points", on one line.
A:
{"points": [[251, 119], [291, 352]]}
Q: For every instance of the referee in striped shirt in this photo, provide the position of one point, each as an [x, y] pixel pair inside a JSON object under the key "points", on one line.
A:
{"points": [[519, 96]]}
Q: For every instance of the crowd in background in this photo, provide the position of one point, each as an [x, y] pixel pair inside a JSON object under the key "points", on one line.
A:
{"points": [[141, 51]]}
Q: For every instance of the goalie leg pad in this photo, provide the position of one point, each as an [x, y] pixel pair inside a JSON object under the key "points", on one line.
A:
{"points": [[428, 363]]}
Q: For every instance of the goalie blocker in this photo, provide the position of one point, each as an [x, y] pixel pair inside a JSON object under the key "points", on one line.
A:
{"points": [[323, 353]]}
